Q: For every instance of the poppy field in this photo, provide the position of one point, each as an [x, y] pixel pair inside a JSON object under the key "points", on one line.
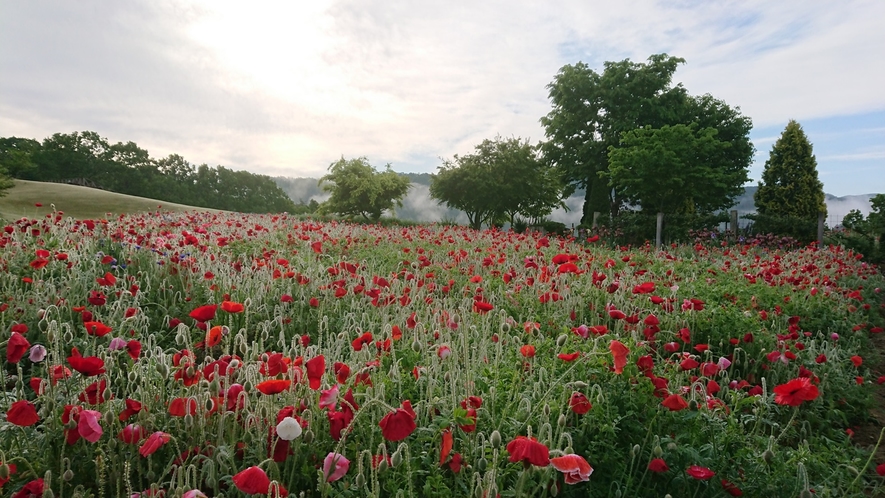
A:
{"points": [[171, 354]]}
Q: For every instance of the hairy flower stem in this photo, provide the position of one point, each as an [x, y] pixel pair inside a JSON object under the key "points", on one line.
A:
{"points": [[870, 459]]}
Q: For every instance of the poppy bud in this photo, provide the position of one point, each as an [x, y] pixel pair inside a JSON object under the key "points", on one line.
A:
{"points": [[50, 335], [693, 405], [132, 377], [382, 465], [214, 387], [853, 470], [479, 493], [560, 341], [209, 404], [188, 420], [671, 446], [554, 490], [562, 420], [768, 456], [308, 437], [495, 439], [806, 494], [106, 394], [4, 471], [68, 475], [71, 425], [481, 464], [68, 336], [189, 371], [396, 459], [416, 346], [360, 480], [109, 418], [163, 370], [505, 327], [247, 386], [579, 384], [657, 451], [244, 349], [546, 409]]}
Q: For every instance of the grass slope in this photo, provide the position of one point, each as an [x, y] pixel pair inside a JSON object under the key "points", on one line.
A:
{"points": [[77, 202]]}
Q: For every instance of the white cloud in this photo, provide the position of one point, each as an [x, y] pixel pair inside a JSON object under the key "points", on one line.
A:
{"points": [[285, 88]]}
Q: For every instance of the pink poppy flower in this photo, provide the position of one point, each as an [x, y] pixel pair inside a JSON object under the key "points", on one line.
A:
{"points": [[154, 442], [335, 466], [88, 426]]}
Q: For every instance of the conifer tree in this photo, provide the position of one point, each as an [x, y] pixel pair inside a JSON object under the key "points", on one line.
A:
{"points": [[790, 187]]}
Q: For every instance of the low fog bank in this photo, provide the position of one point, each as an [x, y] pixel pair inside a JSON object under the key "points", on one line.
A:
{"points": [[418, 206]]}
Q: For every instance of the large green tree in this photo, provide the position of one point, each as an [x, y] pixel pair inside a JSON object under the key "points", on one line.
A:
{"points": [[16, 157], [789, 186], [358, 189], [694, 168], [500, 180], [591, 111]]}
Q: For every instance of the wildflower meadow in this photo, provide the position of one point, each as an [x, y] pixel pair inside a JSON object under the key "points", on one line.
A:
{"points": [[219, 354]]}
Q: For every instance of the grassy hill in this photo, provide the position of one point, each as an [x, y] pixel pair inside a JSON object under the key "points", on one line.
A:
{"points": [[75, 201]]}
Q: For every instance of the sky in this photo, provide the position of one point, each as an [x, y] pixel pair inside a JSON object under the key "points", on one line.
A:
{"points": [[286, 88]]}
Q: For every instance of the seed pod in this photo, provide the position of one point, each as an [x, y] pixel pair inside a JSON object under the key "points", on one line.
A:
{"points": [[495, 439]]}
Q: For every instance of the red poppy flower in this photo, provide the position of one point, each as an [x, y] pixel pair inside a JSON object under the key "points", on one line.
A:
{"points": [[131, 434], [342, 372], [569, 357], [204, 313], [796, 391], [22, 413], [700, 473], [179, 407], [16, 347], [32, 489], [86, 365], [675, 403], [316, 367], [482, 307], [619, 352], [96, 328], [527, 351], [94, 393], [274, 386], [471, 417], [362, 340], [658, 465], [731, 488], [529, 451], [38, 385], [579, 403], [575, 468], [154, 443], [254, 481], [132, 408], [213, 336], [232, 307], [857, 360], [446, 446], [133, 348], [398, 424]]}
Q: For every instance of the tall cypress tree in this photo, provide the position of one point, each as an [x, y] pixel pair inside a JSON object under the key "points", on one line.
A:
{"points": [[790, 196]]}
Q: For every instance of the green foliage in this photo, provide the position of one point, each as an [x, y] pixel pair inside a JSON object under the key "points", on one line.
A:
{"points": [[594, 115], [591, 111], [789, 185], [359, 190], [503, 178], [126, 168], [674, 169]]}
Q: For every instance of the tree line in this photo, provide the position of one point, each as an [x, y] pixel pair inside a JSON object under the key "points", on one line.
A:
{"points": [[126, 168]]}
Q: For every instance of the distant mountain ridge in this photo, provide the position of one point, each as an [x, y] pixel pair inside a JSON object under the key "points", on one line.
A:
{"points": [[418, 206]]}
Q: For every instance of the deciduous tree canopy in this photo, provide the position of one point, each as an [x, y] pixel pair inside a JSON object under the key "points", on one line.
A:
{"points": [[358, 189], [503, 178]]}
